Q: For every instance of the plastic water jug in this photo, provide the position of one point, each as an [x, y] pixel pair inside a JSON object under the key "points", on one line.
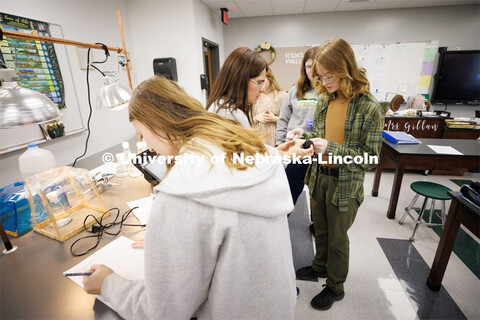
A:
{"points": [[35, 160]]}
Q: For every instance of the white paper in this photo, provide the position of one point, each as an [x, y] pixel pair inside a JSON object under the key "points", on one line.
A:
{"points": [[105, 168], [117, 255], [144, 207], [445, 150]]}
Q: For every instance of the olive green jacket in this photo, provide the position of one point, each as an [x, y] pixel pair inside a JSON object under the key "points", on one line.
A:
{"points": [[363, 137]]}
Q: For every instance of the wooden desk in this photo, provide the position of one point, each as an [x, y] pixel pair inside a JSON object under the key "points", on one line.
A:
{"points": [[461, 212], [32, 285], [422, 155]]}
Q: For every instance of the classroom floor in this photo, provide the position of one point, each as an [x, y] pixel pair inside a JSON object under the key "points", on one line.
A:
{"points": [[388, 273]]}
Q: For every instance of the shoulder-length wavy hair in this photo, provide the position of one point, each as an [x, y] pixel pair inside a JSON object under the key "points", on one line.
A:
{"points": [[303, 83], [231, 85], [337, 56], [163, 106]]}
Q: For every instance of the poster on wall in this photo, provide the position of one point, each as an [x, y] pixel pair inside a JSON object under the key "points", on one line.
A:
{"points": [[35, 61], [287, 65]]}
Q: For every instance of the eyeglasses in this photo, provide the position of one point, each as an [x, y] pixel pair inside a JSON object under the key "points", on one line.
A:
{"points": [[261, 84], [321, 79]]}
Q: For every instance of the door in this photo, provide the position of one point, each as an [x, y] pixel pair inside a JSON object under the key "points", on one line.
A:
{"points": [[210, 62]]}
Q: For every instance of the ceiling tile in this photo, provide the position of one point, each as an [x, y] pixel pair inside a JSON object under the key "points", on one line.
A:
{"points": [[386, 4], [419, 3], [287, 6], [456, 2], [255, 8], [346, 5], [312, 6]]}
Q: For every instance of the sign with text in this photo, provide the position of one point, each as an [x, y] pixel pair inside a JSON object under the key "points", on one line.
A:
{"points": [[287, 65], [418, 127]]}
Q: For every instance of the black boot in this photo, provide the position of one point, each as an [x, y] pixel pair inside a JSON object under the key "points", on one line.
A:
{"points": [[325, 299], [307, 273]]}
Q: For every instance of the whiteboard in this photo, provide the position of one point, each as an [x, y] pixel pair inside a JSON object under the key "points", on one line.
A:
{"points": [[404, 68], [16, 138]]}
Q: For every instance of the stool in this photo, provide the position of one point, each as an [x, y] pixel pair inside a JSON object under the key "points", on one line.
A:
{"points": [[429, 190]]}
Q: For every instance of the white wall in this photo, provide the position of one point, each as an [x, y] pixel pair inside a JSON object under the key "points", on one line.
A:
{"points": [[173, 29], [153, 29], [453, 26]]}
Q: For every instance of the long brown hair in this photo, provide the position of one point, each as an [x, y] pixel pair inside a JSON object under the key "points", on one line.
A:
{"points": [[163, 106], [231, 84], [303, 83], [338, 57]]}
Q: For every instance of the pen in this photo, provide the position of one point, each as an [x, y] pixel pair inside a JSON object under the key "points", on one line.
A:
{"points": [[77, 274]]}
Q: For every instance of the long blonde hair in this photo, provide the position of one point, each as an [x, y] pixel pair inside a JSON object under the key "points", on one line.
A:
{"points": [[273, 82], [338, 57], [161, 105]]}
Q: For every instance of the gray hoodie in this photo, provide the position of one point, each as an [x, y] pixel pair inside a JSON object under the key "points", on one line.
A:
{"points": [[294, 113], [217, 246]]}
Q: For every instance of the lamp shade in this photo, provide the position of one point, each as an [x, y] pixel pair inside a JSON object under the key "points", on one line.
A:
{"points": [[21, 106], [113, 95]]}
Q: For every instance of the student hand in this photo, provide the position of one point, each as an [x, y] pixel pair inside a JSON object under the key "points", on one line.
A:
{"points": [[294, 134], [285, 146], [297, 150], [262, 117], [271, 116], [139, 244], [92, 284], [289, 148], [319, 145]]}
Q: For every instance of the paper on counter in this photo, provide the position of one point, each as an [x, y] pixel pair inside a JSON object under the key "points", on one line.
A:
{"points": [[117, 255], [110, 168], [445, 150], [144, 207]]}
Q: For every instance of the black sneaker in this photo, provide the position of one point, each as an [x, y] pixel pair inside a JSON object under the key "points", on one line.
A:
{"points": [[307, 273], [325, 299]]}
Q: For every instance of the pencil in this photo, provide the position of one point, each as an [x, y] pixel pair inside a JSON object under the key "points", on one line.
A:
{"points": [[77, 274]]}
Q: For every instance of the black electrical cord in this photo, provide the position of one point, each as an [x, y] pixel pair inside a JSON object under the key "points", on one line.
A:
{"points": [[107, 54], [99, 229]]}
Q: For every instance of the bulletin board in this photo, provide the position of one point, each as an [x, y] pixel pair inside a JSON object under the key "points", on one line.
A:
{"points": [[405, 68], [45, 68]]}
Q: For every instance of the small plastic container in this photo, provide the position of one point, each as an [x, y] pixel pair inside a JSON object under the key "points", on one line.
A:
{"points": [[35, 160]]}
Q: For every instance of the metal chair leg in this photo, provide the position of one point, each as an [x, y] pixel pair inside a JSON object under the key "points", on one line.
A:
{"points": [[444, 213], [407, 209], [419, 220], [432, 211]]}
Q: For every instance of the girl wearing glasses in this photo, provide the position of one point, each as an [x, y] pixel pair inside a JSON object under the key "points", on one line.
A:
{"points": [[348, 122], [238, 86], [267, 108]]}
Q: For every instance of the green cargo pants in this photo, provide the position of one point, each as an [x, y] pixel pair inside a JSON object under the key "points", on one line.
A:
{"points": [[331, 238]]}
